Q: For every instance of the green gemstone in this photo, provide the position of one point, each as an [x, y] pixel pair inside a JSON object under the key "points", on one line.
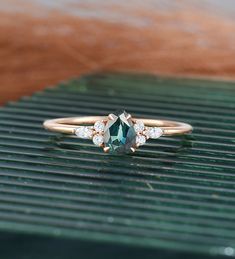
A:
{"points": [[119, 133]]}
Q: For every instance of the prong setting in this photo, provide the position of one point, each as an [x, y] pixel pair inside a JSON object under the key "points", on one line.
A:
{"points": [[111, 116], [133, 149], [106, 149], [128, 116]]}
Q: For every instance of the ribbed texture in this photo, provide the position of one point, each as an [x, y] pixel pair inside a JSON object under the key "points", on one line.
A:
{"points": [[173, 193]]}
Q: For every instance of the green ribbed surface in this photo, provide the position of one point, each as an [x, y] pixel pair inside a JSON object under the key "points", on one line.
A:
{"points": [[174, 193]]}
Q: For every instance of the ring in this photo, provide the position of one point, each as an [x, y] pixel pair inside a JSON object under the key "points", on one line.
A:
{"points": [[117, 132]]}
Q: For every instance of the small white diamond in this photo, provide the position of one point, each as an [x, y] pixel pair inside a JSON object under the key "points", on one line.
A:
{"points": [[154, 132], [140, 140], [99, 126], [98, 140], [84, 132], [139, 126]]}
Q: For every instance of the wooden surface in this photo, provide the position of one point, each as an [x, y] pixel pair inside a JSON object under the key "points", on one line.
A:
{"points": [[43, 42]]}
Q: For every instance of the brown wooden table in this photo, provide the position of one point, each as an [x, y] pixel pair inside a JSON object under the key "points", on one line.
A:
{"points": [[41, 44]]}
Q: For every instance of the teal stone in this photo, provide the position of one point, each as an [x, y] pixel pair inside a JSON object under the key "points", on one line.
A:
{"points": [[119, 133]]}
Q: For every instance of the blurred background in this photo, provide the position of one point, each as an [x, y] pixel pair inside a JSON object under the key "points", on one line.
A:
{"points": [[44, 41]]}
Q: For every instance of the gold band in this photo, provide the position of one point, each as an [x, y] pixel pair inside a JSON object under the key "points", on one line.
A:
{"points": [[118, 132], [69, 125]]}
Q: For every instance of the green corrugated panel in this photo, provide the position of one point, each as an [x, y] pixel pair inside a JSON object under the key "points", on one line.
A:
{"points": [[173, 193]]}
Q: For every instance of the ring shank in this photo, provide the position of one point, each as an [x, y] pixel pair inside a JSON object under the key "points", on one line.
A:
{"points": [[69, 125]]}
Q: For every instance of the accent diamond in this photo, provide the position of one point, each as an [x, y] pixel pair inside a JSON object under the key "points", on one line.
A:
{"points": [[99, 126], [140, 140], [154, 132], [139, 126], [98, 140], [84, 132]]}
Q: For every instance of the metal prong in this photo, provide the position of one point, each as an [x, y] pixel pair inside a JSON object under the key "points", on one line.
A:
{"points": [[106, 149], [111, 116], [133, 149]]}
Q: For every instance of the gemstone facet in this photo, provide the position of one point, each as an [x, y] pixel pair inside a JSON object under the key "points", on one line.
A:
{"points": [[119, 133]]}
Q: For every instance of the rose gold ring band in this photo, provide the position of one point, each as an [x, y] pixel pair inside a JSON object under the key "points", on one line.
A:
{"points": [[69, 125]]}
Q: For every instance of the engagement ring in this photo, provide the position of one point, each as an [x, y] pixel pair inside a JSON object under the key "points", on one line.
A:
{"points": [[117, 132]]}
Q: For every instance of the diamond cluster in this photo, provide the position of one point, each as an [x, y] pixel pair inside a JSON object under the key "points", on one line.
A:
{"points": [[143, 133], [95, 133], [98, 138], [119, 133]]}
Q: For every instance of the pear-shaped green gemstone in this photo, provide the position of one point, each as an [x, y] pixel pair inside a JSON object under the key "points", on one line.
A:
{"points": [[119, 133]]}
